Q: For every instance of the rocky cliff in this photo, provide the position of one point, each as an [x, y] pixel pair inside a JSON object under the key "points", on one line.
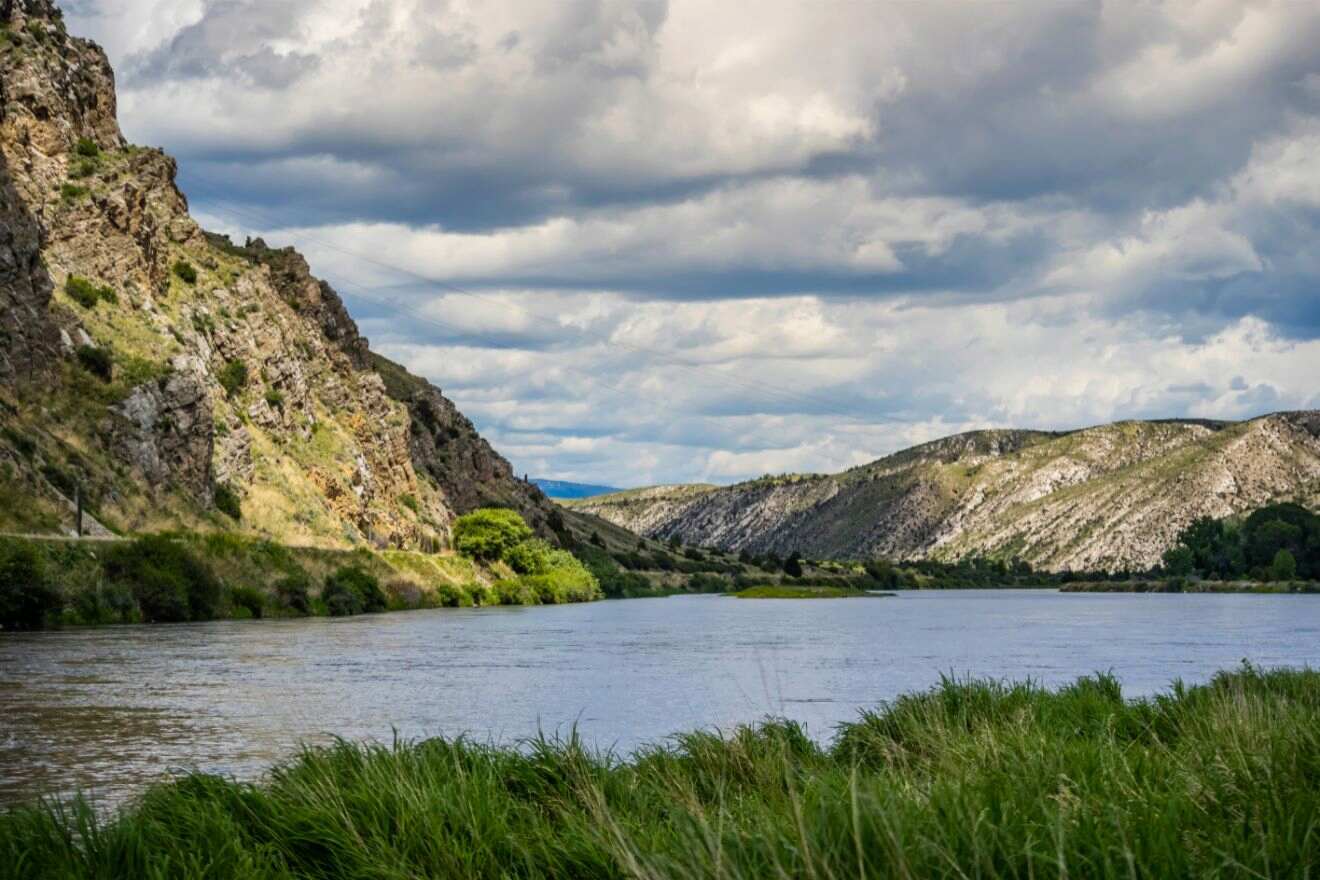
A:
{"points": [[1108, 497], [165, 373]]}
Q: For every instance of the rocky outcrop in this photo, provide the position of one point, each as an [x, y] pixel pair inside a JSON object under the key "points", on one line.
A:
{"points": [[447, 448], [164, 431], [1111, 497], [150, 363]]}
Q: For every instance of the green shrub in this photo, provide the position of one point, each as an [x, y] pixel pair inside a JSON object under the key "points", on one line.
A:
{"points": [[516, 592], [227, 502], [293, 591], [168, 581], [275, 398], [27, 595], [185, 271], [232, 377], [87, 148], [487, 534], [103, 603], [247, 598], [351, 590], [71, 192], [1284, 566], [450, 596], [82, 291], [532, 556], [82, 168], [96, 361]]}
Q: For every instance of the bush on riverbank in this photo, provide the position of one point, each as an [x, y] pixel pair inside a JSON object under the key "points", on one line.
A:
{"points": [[170, 583], [1278, 542], [256, 577], [545, 575], [350, 590], [978, 779], [27, 596]]}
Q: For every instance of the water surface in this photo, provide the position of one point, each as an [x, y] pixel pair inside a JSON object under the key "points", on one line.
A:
{"points": [[111, 709]]}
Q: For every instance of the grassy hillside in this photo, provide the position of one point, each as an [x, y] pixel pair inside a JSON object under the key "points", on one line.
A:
{"points": [[970, 779]]}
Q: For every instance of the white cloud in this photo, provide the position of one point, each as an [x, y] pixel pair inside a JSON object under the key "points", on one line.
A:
{"points": [[702, 241]]}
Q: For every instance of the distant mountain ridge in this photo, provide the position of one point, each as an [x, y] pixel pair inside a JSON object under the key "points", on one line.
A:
{"points": [[1108, 497], [564, 489]]}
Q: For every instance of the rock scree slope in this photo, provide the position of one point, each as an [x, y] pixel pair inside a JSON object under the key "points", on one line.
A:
{"points": [[158, 369]]}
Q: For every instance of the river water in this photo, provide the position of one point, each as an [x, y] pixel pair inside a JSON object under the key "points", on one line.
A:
{"points": [[109, 710]]}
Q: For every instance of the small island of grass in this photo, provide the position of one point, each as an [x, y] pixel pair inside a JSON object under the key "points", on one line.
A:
{"points": [[792, 591]]}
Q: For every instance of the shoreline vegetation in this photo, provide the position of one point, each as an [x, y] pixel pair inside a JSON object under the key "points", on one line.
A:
{"points": [[498, 561], [189, 576], [1185, 585], [789, 591], [970, 778]]}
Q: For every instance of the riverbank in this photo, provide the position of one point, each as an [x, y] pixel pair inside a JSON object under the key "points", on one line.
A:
{"points": [[967, 779], [789, 591], [178, 576], [1184, 585]]}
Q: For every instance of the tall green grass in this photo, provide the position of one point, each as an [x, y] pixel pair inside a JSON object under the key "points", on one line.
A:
{"points": [[968, 780]]}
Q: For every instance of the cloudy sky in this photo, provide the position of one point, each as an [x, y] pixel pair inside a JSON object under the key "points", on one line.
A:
{"points": [[656, 242]]}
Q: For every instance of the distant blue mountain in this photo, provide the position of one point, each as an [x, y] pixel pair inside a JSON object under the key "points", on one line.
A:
{"points": [[561, 489]]}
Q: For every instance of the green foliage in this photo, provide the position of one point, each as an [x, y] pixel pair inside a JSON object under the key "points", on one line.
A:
{"points": [[534, 556], [71, 192], [1283, 567], [96, 361], [87, 294], [275, 398], [409, 501], [797, 591], [352, 590], [487, 534], [1179, 561], [83, 168], [87, 148], [969, 779], [232, 377], [27, 596], [1220, 549], [169, 582], [228, 502], [185, 271], [248, 599], [293, 592], [549, 576]]}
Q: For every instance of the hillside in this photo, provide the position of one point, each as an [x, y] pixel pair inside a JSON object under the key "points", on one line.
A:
{"points": [[1109, 497], [167, 373]]}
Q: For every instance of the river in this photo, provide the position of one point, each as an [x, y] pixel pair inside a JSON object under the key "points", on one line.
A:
{"points": [[110, 710]]}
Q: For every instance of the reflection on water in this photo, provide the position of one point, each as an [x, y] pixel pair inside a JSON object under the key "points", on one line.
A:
{"points": [[109, 710]]}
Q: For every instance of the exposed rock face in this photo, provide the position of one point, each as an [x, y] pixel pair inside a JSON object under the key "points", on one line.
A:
{"points": [[1109, 497], [227, 364], [447, 448], [164, 430]]}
